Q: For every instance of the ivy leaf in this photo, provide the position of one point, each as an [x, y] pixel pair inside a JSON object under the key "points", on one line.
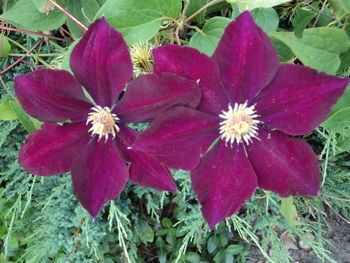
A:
{"points": [[302, 18], [339, 122], [319, 48], [343, 101], [6, 111], [252, 4], [266, 18], [75, 8], [43, 6], [139, 20], [341, 7], [26, 16], [344, 144], [27, 122], [289, 211], [66, 59], [207, 40], [193, 7], [5, 46], [285, 54]]}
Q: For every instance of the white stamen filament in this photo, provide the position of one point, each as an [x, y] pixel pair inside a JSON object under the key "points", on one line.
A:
{"points": [[239, 124], [103, 122]]}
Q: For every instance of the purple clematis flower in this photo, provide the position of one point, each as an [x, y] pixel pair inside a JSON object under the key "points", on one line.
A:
{"points": [[239, 137], [95, 145]]}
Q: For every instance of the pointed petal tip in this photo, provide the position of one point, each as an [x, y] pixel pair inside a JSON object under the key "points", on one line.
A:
{"points": [[93, 211]]}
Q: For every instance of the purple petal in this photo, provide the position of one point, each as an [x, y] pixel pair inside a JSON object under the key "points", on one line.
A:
{"points": [[190, 63], [52, 95], [149, 95], [144, 170], [247, 59], [125, 138], [178, 137], [99, 174], [222, 182], [148, 172], [101, 62], [298, 99], [284, 165], [51, 149]]}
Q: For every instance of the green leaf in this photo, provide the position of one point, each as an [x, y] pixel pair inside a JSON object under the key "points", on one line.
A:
{"points": [[234, 249], [302, 18], [319, 48], [6, 111], [207, 40], [166, 222], [192, 257], [139, 20], [343, 101], [228, 258], [344, 144], [75, 8], [84, 11], [341, 7], [171, 237], [289, 211], [266, 18], [66, 59], [43, 6], [5, 46], [26, 16], [193, 7], [212, 244], [23, 117], [345, 60], [285, 54], [339, 122], [252, 4], [145, 232]]}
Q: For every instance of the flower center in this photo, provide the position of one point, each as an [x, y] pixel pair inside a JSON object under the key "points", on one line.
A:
{"points": [[102, 122], [239, 124]]}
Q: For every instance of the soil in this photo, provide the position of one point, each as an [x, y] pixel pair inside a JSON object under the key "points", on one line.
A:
{"points": [[338, 235]]}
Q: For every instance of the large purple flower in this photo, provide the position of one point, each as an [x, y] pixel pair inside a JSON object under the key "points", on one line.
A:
{"points": [[239, 136], [95, 145]]}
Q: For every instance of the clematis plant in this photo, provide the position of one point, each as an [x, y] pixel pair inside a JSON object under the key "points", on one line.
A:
{"points": [[94, 143], [240, 136]]}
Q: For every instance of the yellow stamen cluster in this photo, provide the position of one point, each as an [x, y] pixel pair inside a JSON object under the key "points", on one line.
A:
{"points": [[239, 124], [103, 122], [142, 58]]}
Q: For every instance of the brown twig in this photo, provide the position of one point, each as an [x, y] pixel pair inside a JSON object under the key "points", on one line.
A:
{"points": [[66, 12], [201, 9], [171, 32], [75, 235], [21, 58], [319, 13], [34, 33], [336, 198], [260, 197]]}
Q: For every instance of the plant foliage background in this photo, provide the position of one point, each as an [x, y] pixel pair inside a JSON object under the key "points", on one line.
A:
{"points": [[40, 218]]}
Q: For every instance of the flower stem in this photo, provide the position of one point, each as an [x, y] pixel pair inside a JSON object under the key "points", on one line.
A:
{"points": [[66, 12], [34, 33]]}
